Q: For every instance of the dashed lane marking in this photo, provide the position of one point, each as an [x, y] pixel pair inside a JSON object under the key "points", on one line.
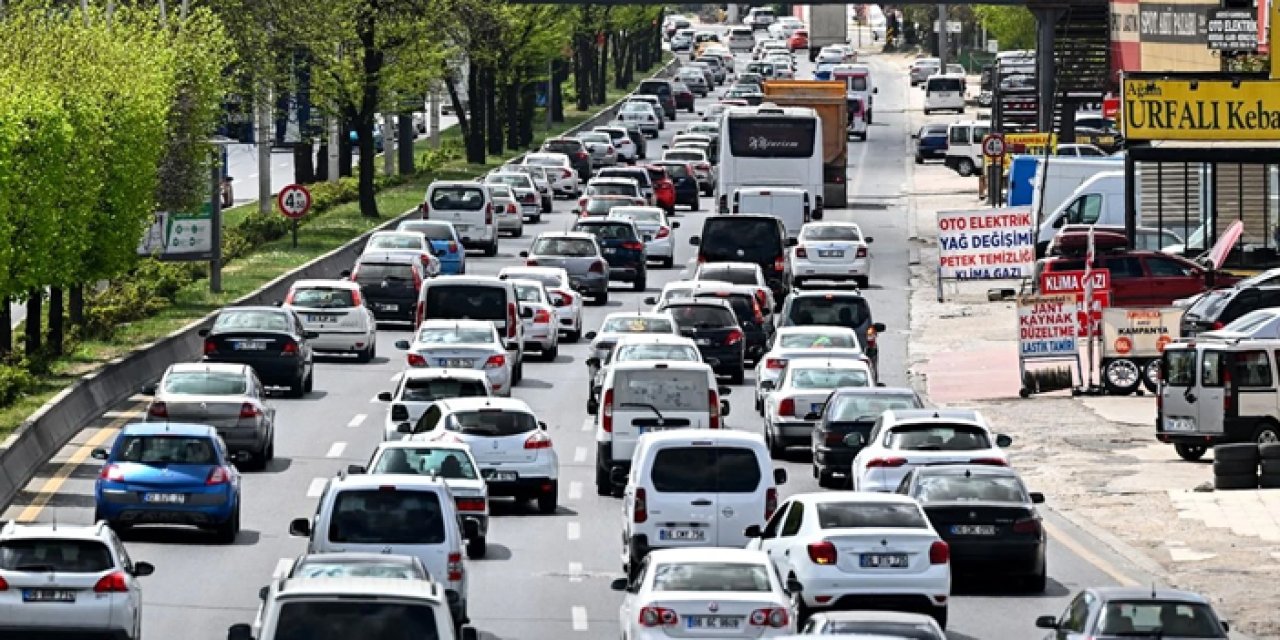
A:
{"points": [[54, 483], [579, 616], [575, 490], [575, 572], [588, 424], [580, 454], [357, 420], [336, 450], [316, 487], [573, 530]]}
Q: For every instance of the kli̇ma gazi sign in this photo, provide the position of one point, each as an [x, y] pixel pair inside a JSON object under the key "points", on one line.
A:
{"points": [[1190, 109]]}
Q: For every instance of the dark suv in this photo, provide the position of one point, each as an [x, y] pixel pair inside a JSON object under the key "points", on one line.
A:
{"points": [[714, 328], [622, 247], [931, 143], [389, 282], [835, 308], [665, 92], [579, 157], [751, 317], [1218, 308], [760, 239]]}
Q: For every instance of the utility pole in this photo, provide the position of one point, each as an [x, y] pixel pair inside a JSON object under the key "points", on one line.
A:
{"points": [[264, 137], [942, 38], [433, 118], [388, 145], [333, 149]]}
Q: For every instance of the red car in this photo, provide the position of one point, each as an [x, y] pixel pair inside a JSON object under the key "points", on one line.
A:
{"points": [[664, 189], [684, 97], [799, 40]]}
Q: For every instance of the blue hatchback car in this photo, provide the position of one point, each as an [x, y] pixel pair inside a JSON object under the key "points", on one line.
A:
{"points": [[446, 242], [931, 143], [168, 473]]}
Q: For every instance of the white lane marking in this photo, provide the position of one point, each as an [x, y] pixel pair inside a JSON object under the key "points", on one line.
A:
{"points": [[588, 424], [374, 400], [575, 571], [396, 376], [282, 568], [574, 530], [580, 454], [336, 450], [575, 490], [355, 422], [317, 487], [579, 615]]}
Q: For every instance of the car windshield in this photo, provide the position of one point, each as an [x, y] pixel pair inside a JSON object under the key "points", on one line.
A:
{"points": [[454, 335], [547, 279], [205, 383], [462, 302], [232, 320], [334, 619], [878, 630], [491, 422], [322, 298], [612, 189], [711, 576], [637, 324], [841, 311], [705, 469], [662, 389], [829, 378], [831, 232], [173, 449], [386, 516], [937, 437], [509, 179], [54, 555], [956, 487], [734, 239], [1159, 619], [677, 352], [457, 198], [431, 389], [321, 568], [606, 232], [702, 317], [568, 247], [602, 206], [816, 341], [395, 241], [676, 170], [732, 276], [866, 408], [855, 515], [684, 156], [446, 463]]}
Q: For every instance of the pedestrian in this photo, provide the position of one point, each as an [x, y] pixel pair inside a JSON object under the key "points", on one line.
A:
{"points": [[228, 197]]}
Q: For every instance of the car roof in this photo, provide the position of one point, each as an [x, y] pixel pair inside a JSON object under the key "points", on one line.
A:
{"points": [[511, 272], [168, 429], [718, 436], [423, 444], [898, 416], [1144, 593], [375, 480], [478, 402], [14, 530], [874, 391], [389, 256], [436, 323], [347, 586], [356, 556], [455, 183], [712, 266], [434, 373], [594, 220], [649, 365], [967, 470], [332, 284], [211, 367], [874, 616], [835, 360], [654, 338], [637, 314], [464, 280], [708, 554], [855, 496], [697, 302]]}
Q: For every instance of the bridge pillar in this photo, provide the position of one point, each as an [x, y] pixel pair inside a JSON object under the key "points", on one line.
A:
{"points": [[1047, 16]]}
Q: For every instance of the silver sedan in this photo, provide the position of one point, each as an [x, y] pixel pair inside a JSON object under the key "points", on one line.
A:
{"points": [[577, 253], [226, 396]]}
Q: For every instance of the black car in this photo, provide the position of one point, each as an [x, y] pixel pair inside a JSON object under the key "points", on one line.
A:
{"points": [[751, 317], [269, 339], [389, 282], [838, 308], [987, 517], [686, 184], [622, 247], [931, 143], [715, 329], [1216, 309], [761, 239], [665, 93], [579, 157], [850, 410]]}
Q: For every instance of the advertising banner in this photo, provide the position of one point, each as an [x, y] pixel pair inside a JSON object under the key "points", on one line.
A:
{"points": [[985, 244], [1139, 333], [1047, 327], [179, 236], [1233, 30], [1185, 109], [1072, 283]]}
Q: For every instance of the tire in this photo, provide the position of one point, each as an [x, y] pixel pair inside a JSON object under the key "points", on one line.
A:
{"points": [[926, 112], [308, 384], [296, 388], [964, 167], [1269, 482], [572, 336], [1267, 433], [491, 250], [1190, 452], [919, 160], [801, 609], [1269, 451], [941, 617], [270, 452], [640, 283], [668, 263], [1151, 375], [477, 547], [1121, 377], [862, 282], [602, 299], [548, 502], [1234, 468], [546, 207], [776, 452], [227, 531], [518, 373], [826, 480], [737, 377], [603, 486], [1270, 467], [1037, 582], [365, 355], [549, 355], [1245, 481], [1242, 452]]}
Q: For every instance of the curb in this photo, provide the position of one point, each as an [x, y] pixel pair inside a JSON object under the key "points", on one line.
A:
{"points": [[53, 425]]}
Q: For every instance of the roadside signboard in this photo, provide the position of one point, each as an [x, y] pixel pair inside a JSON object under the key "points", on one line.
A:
{"points": [[1233, 30], [179, 235], [985, 244], [1072, 283], [294, 201], [1047, 327], [1139, 333], [993, 145], [1160, 108]]}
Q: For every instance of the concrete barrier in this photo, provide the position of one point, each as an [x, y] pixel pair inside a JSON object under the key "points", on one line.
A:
{"points": [[54, 424]]}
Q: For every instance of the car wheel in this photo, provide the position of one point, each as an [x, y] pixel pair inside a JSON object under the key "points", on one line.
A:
{"points": [[476, 548], [798, 606], [1035, 583], [573, 336], [640, 282], [862, 282], [1266, 433], [519, 232], [549, 355], [940, 617], [919, 159], [604, 486], [546, 207], [926, 112], [1121, 377], [775, 450], [270, 453], [297, 388], [548, 501], [226, 532], [602, 299], [1190, 452], [737, 377], [668, 263], [825, 479], [517, 374], [965, 167], [365, 355], [491, 250]]}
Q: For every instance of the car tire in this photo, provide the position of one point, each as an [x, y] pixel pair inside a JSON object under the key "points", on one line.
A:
{"points": [[799, 607], [926, 112], [738, 376], [1269, 451], [667, 263], [549, 355], [1269, 482], [491, 250], [1190, 452], [965, 167], [862, 282], [1238, 481], [604, 485], [477, 547], [825, 479], [226, 532], [919, 159], [517, 373], [270, 452], [365, 355], [548, 501], [602, 299], [775, 451], [1234, 467], [1036, 583], [1151, 375], [296, 388], [1121, 377], [1270, 467], [573, 336], [546, 208], [1241, 452], [640, 282], [940, 616], [1266, 433], [308, 384]]}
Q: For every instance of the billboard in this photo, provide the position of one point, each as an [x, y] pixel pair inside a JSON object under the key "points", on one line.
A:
{"points": [[1156, 108], [985, 244], [179, 236]]}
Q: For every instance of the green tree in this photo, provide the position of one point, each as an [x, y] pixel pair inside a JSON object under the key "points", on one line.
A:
{"points": [[1014, 27]]}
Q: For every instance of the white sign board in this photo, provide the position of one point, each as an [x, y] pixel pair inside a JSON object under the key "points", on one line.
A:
{"points": [[993, 46], [1139, 333], [1046, 327], [954, 26], [178, 235], [985, 244]]}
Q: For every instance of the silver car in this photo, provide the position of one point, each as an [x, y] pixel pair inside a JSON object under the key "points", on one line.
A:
{"points": [[506, 211], [538, 314], [654, 228], [541, 179], [335, 310], [922, 68], [524, 190], [642, 115], [225, 396], [577, 253], [600, 145], [564, 180], [696, 79], [462, 344]]}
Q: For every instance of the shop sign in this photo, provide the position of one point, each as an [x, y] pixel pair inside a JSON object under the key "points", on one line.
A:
{"points": [[1139, 333], [1182, 109], [985, 244], [1046, 327], [1169, 23], [1072, 283], [1233, 30]]}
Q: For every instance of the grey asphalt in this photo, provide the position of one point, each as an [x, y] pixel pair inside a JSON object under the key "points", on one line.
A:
{"points": [[545, 577]]}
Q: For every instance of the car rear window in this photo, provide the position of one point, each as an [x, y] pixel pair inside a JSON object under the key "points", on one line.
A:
{"points": [[831, 233], [529, 293], [233, 320], [702, 317], [711, 576], [843, 311], [547, 280], [654, 88], [568, 147], [628, 352], [736, 238], [854, 515], [433, 231], [638, 324], [607, 231], [953, 487], [732, 276], [406, 240], [569, 247], [611, 190], [453, 335], [1154, 618], [333, 619], [641, 176], [447, 463], [377, 516], [377, 272], [491, 422], [676, 170], [205, 383], [703, 469], [944, 84], [440, 388], [829, 378], [457, 198], [685, 156], [322, 298], [661, 389], [866, 408], [602, 206], [815, 341], [744, 306], [54, 555], [321, 568], [878, 629], [461, 302], [174, 449], [937, 437]]}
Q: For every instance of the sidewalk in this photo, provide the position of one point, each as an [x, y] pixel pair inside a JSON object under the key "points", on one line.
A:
{"points": [[1096, 458]]}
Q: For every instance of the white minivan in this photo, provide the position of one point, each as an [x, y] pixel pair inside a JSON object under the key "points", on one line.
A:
{"points": [[696, 488], [469, 207], [643, 397], [944, 92], [790, 205]]}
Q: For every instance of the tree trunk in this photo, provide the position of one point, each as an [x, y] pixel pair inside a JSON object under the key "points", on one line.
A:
{"points": [[76, 307], [494, 139], [601, 85], [6, 326], [511, 109], [620, 58], [322, 162], [34, 299], [55, 321], [528, 109], [456, 101], [559, 73], [479, 118], [304, 172], [404, 144], [371, 65], [344, 143]]}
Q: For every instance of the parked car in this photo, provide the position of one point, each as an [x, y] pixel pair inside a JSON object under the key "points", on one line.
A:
{"points": [[1099, 612], [931, 143]]}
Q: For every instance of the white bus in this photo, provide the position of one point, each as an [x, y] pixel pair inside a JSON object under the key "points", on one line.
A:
{"points": [[770, 146]]}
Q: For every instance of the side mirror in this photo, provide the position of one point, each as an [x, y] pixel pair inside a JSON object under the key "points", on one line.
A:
{"points": [[310, 335], [791, 242], [1226, 626], [675, 224], [1037, 497], [147, 389], [724, 408], [355, 469], [593, 361], [1003, 441], [141, 569], [240, 632], [752, 531], [524, 254], [99, 454], [855, 440], [402, 345], [278, 303], [384, 396], [878, 326], [816, 215], [619, 584], [779, 476], [590, 335], [203, 333], [618, 476], [262, 593], [345, 274], [695, 240], [868, 239], [542, 425], [767, 385], [1047, 622], [875, 90], [526, 312], [651, 300], [300, 527], [404, 427], [558, 302]]}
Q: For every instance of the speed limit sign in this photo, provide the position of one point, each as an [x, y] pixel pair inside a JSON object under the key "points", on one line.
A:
{"points": [[294, 201], [993, 145]]}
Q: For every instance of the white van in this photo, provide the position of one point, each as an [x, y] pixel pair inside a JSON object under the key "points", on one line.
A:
{"points": [[639, 397], [476, 298], [964, 146], [1098, 200], [408, 515], [696, 488], [944, 92], [1218, 392], [741, 39], [858, 83], [792, 206], [469, 207]]}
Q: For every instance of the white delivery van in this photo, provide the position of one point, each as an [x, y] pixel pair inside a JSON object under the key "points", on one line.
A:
{"points": [[469, 207], [964, 146], [696, 488], [858, 82], [944, 92], [1056, 178], [792, 206], [1098, 200]]}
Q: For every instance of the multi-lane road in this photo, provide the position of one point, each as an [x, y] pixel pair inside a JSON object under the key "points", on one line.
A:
{"points": [[545, 577]]}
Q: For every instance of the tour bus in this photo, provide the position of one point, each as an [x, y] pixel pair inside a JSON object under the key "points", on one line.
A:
{"points": [[770, 146]]}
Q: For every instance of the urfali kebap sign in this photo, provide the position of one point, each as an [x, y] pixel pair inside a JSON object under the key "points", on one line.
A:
{"points": [[985, 244], [1200, 109]]}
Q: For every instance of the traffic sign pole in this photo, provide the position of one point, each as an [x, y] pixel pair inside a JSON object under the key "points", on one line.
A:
{"points": [[294, 202], [993, 149]]}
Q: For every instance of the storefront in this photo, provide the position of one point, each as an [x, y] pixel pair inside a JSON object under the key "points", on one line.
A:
{"points": [[1161, 36]]}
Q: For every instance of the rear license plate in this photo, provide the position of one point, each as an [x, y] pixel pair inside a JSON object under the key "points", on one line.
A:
{"points": [[48, 595], [315, 317], [165, 498], [251, 345], [884, 560], [500, 476], [610, 250], [712, 622], [973, 529], [388, 307], [455, 362], [831, 253], [688, 535], [702, 341], [1179, 424]]}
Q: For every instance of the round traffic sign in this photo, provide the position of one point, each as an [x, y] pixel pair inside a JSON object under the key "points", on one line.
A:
{"points": [[993, 145], [294, 201]]}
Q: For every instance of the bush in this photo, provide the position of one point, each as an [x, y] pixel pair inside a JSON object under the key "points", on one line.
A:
{"points": [[14, 383], [148, 288]]}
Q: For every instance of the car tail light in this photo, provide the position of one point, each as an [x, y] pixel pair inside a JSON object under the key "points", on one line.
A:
{"points": [[939, 553], [770, 502], [801, 252], [756, 315], [511, 208], [581, 155], [417, 275], [823, 553], [113, 582], [356, 299], [657, 617], [633, 246], [538, 440], [453, 247], [419, 314], [217, 475], [417, 360], [606, 411], [288, 299], [530, 262], [488, 213], [4, 584], [608, 151], [355, 272], [210, 347], [640, 511], [495, 362], [513, 316], [733, 338], [1027, 525], [663, 232], [597, 266], [886, 462], [994, 462], [775, 363], [780, 263], [112, 472], [787, 407], [702, 166], [470, 504], [158, 409], [541, 316], [862, 252], [772, 617], [249, 410], [454, 567], [566, 298], [424, 210], [713, 409], [290, 348], [565, 173]]}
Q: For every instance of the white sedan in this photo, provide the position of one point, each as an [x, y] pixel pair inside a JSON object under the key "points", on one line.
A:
{"points": [[906, 438], [417, 389], [537, 312], [831, 251], [810, 341], [643, 115], [564, 180], [406, 242], [794, 403], [556, 280], [655, 228], [847, 549], [335, 310], [462, 344], [704, 592]]}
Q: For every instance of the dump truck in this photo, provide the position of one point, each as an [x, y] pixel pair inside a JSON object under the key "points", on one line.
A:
{"points": [[831, 103]]}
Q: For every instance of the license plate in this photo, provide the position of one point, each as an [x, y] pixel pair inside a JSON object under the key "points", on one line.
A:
{"points": [[48, 595], [816, 407], [712, 622], [688, 535], [388, 307], [251, 345], [973, 529], [165, 498], [830, 253], [884, 560], [455, 362], [313, 317], [500, 476], [610, 250], [1179, 424], [702, 341]]}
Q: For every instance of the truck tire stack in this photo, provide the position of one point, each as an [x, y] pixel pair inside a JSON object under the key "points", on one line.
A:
{"points": [[1270, 456], [1235, 466]]}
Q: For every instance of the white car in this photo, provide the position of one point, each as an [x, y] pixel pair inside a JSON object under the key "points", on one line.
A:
{"points": [[643, 115], [650, 347], [600, 146], [416, 389], [685, 289], [849, 548], [564, 180], [906, 438], [413, 242], [794, 403], [714, 593], [654, 228], [541, 179], [810, 341], [538, 314], [625, 146], [556, 280], [510, 444], [831, 251], [740, 273], [506, 211], [453, 463], [525, 192], [907, 625], [462, 344], [619, 324], [335, 309]]}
